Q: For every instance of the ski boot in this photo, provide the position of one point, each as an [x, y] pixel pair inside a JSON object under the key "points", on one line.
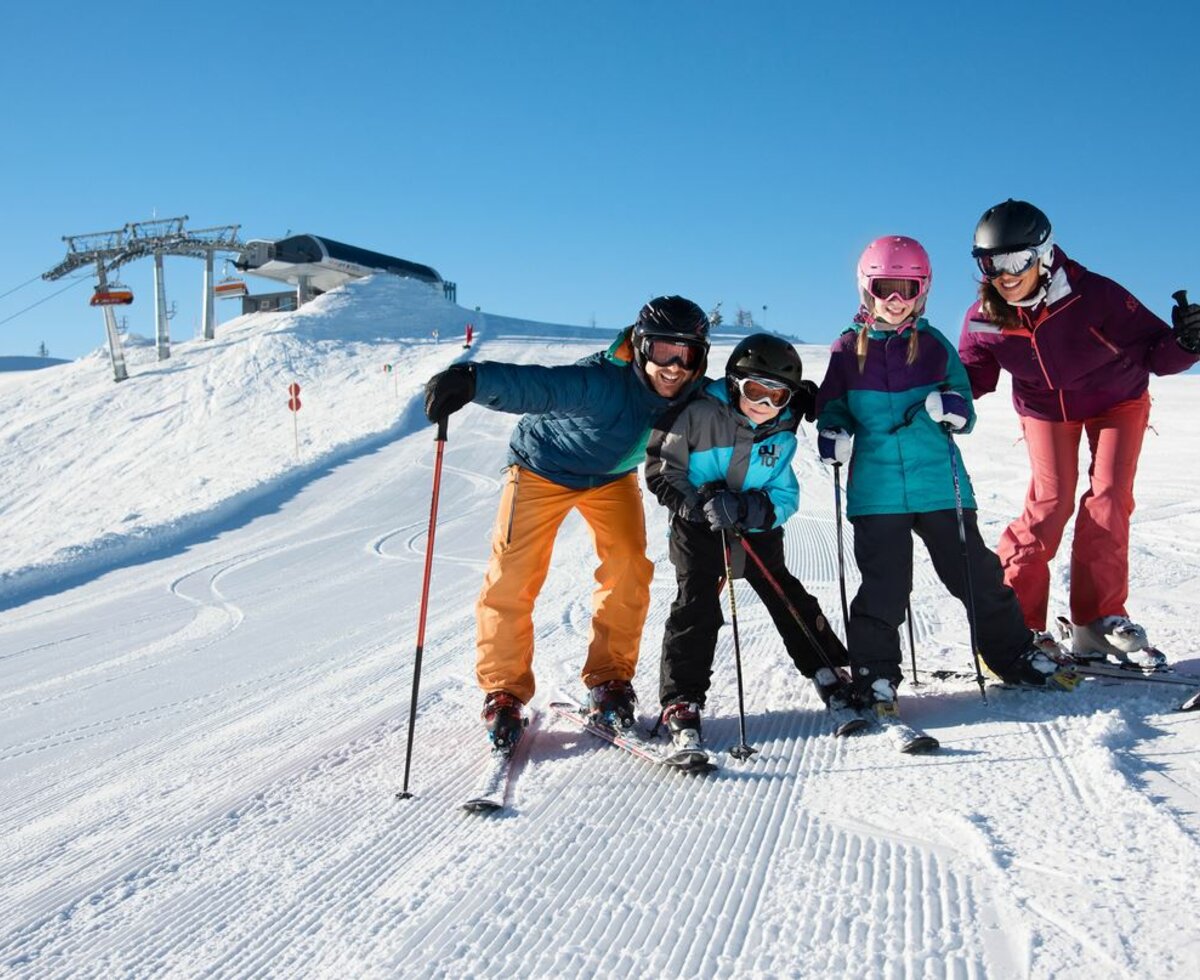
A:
{"points": [[880, 699], [831, 683], [612, 704], [1044, 640], [1117, 637], [505, 723], [682, 719], [1036, 668]]}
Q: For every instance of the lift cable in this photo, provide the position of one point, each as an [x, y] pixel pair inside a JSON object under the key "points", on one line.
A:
{"points": [[22, 286], [70, 285]]}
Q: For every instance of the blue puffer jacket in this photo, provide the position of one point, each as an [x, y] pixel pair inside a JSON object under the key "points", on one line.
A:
{"points": [[708, 441], [586, 424]]}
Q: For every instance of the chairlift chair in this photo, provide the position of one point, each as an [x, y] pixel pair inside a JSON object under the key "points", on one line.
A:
{"points": [[113, 294], [230, 287]]}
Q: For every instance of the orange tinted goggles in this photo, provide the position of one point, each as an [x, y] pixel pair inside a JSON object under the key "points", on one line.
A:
{"points": [[761, 391]]}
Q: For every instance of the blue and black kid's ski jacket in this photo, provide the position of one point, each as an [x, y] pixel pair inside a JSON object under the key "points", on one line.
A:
{"points": [[709, 441]]}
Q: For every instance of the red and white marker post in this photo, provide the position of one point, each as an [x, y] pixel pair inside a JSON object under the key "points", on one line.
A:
{"points": [[294, 405]]}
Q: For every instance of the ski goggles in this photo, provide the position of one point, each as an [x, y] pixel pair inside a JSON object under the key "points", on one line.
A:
{"points": [[885, 287], [1007, 263], [664, 352], [762, 391]]}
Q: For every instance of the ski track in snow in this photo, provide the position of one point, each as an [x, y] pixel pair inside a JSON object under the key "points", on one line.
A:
{"points": [[200, 753]]}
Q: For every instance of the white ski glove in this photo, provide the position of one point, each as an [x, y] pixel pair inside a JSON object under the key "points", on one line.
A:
{"points": [[833, 445], [947, 408]]}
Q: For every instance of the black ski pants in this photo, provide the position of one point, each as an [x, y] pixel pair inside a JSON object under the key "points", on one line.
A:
{"points": [[883, 548], [690, 638]]}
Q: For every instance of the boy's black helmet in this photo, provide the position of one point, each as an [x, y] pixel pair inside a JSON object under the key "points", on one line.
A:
{"points": [[672, 316], [763, 355], [1010, 227]]}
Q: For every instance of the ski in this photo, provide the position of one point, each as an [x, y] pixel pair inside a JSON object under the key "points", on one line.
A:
{"points": [[489, 796], [905, 737], [1100, 671], [635, 743], [1063, 680]]}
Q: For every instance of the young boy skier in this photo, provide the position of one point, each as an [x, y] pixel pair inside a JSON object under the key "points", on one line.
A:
{"points": [[722, 465]]}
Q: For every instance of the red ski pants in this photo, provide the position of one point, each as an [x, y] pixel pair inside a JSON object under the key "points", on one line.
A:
{"points": [[531, 510], [1100, 551]]}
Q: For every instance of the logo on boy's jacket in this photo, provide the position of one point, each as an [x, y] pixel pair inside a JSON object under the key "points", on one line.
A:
{"points": [[768, 454]]}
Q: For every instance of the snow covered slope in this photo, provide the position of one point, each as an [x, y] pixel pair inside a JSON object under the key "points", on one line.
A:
{"points": [[202, 723]]}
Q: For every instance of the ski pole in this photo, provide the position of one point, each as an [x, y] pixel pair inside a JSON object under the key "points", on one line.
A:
{"points": [[791, 608], [741, 750], [962, 542], [837, 506], [404, 794], [912, 644]]}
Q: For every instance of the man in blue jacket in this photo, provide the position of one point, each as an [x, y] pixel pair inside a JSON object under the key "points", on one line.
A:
{"points": [[582, 436]]}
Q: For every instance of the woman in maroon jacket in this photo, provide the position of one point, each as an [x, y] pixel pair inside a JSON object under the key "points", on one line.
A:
{"points": [[1080, 349]]}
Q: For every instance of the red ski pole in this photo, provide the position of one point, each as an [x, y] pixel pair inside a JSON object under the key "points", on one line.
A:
{"points": [[404, 794]]}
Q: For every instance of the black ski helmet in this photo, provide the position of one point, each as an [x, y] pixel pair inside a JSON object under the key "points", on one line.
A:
{"points": [[1010, 227], [763, 355], [672, 317]]}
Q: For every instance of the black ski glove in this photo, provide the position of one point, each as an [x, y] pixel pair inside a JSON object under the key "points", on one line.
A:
{"points": [[805, 400], [727, 510], [1186, 320], [449, 391], [758, 513]]}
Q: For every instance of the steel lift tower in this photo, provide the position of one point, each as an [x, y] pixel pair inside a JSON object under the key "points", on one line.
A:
{"points": [[109, 250], [104, 250]]}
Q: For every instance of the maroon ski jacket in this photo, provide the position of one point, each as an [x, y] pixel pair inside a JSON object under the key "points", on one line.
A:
{"points": [[1086, 347]]}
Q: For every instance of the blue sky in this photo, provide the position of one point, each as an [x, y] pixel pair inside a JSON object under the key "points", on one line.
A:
{"points": [[565, 161]]}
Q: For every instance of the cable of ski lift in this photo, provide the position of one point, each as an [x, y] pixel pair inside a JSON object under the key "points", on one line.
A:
{"points": [[45, 299]]}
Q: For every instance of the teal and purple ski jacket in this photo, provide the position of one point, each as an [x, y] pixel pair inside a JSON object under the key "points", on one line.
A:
{"points": [[901, 457]]}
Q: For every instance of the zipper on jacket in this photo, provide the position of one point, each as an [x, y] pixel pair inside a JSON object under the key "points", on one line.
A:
{"points": [[1033, 326]]}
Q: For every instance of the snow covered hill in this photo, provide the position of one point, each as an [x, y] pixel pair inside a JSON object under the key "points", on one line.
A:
{"points": [[205, 666]]}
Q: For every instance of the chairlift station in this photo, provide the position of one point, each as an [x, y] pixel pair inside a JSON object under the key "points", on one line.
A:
{"points": [[310, 264]]}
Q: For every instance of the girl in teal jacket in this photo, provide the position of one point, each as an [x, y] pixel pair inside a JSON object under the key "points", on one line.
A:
{"points": [[894, 390]]}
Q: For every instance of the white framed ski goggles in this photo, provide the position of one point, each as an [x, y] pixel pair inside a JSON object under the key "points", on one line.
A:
{"points": [[1007, 263], [763, 391]]}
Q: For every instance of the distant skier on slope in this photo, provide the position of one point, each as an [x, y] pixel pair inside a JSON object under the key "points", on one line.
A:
{"points": [[892, 384], [1080, 349], [578, 446], [723, 463]]}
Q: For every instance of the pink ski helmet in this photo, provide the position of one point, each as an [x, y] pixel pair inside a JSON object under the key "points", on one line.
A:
{"points": [[890, 261]]}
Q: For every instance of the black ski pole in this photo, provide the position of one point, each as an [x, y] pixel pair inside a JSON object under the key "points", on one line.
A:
{"points": [[962, 543], [404, 794], [912, 643], [741, 750], [837, 506]]}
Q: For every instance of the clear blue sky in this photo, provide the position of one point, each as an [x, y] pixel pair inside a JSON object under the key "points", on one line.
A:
{"points": [[565, 160]]}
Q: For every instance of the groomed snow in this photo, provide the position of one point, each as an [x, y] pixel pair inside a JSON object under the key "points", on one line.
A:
{"points": [[206, 652]]}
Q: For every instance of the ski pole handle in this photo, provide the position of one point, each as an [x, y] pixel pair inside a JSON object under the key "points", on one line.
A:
{"points": [[1180, 297], [443, 424]]}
